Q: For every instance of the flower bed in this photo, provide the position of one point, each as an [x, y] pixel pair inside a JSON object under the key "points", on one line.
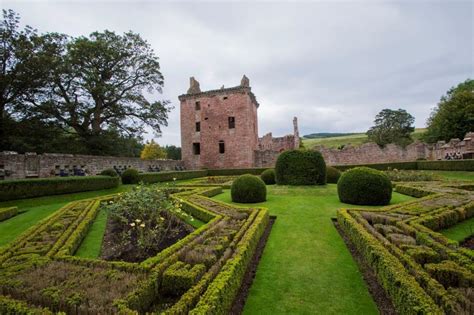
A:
{"points": [[193, 275]]}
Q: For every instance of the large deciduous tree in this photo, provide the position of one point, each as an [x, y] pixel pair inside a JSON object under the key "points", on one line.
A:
{"points": [[392, 126], [98, 83], [23, 68], [454, 115]]}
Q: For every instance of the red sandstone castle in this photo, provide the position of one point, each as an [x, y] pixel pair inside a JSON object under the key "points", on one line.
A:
{"points": [[219, 129]]}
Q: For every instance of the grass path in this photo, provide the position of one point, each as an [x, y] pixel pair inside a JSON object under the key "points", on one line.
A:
{"points": [[92, 243], [306, 267], [34, 209], [460, 231]]}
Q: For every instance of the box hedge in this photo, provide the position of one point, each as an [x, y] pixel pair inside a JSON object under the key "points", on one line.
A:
{"points": [[248, 189], [364, 186], [29, 188], [300, 167], [452, 165], [7, 213], [150, 178]]}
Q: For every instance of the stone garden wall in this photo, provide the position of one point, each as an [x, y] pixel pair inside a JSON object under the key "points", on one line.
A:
{"points": [[16, 166]]}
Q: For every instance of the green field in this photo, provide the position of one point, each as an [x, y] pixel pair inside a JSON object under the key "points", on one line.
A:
{"points": [[306, 267], [355, 140]]}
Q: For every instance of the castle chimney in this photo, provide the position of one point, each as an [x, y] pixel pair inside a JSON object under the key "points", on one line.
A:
{"points": [[193, 86], [245, 81], [296, 132]]}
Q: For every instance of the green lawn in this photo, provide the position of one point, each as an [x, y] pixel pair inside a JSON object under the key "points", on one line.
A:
{"points": [[34, 209], [460, 231], [306, 267]]}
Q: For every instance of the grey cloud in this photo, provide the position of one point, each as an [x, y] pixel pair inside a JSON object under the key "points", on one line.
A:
{"points": [[333, 64]]}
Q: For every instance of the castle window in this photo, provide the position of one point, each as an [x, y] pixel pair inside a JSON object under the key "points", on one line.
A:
{"points": [[221, 147], [198, 126], [198, 105], [231, 122], [196, 148]]}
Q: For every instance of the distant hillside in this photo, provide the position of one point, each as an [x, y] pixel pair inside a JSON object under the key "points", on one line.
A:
{"points": [[326, 135], [355, 139]]}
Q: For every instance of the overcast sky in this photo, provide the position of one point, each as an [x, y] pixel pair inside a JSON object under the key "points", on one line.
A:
{"points": [[332, 64]]}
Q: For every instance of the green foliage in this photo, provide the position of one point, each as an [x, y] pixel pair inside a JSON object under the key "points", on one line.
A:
{"points": [[364, 186], [392, 126], [450, 274], [152, 151], [180, 277], [300, 167], [248, 189], [268, 176], [173, 152], [454, 115], [7, 213], [130, 176], [332, 175], [29, 188], [109, 172]]}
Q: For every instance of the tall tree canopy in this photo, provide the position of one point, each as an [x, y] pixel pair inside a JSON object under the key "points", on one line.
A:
{"points": [[93, 88], [454, 115], [173, 152], [392, 126], [23, 67]]}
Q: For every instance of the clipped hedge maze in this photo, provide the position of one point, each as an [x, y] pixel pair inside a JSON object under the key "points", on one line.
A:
{"points": [[200, 274], [422, 271]]}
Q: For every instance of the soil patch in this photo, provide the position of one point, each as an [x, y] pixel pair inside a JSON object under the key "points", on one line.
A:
{"points": [[384, 304], [113, 248], [239, 301]]}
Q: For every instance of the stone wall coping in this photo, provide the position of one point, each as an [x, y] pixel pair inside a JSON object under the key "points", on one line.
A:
{"points": [[238, 88]]}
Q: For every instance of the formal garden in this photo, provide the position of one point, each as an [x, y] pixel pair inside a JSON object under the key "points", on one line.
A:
{"points": [[302, 238]]}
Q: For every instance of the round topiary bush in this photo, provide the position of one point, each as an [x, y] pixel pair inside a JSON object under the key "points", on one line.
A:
{"points": [[248, 189], [332, 175], [268, 176], [109, 172], [130, 176], [300, 167], [364, 186]]}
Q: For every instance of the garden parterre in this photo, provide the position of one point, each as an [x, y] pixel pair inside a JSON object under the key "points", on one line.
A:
{"points": [[200, 274], [421, 270]]}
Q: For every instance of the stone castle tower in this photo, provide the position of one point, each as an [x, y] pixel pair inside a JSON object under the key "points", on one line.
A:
{"points": [[219, 128]]}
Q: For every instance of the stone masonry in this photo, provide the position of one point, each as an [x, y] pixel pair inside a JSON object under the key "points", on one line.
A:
{"points": [[16, 166], [219, 128], [372, 153]]}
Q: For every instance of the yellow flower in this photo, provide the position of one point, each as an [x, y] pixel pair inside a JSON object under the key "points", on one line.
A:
{"points": [[174, 178], [132, 224], [142, 225], [138, 220], [162, 219]]}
